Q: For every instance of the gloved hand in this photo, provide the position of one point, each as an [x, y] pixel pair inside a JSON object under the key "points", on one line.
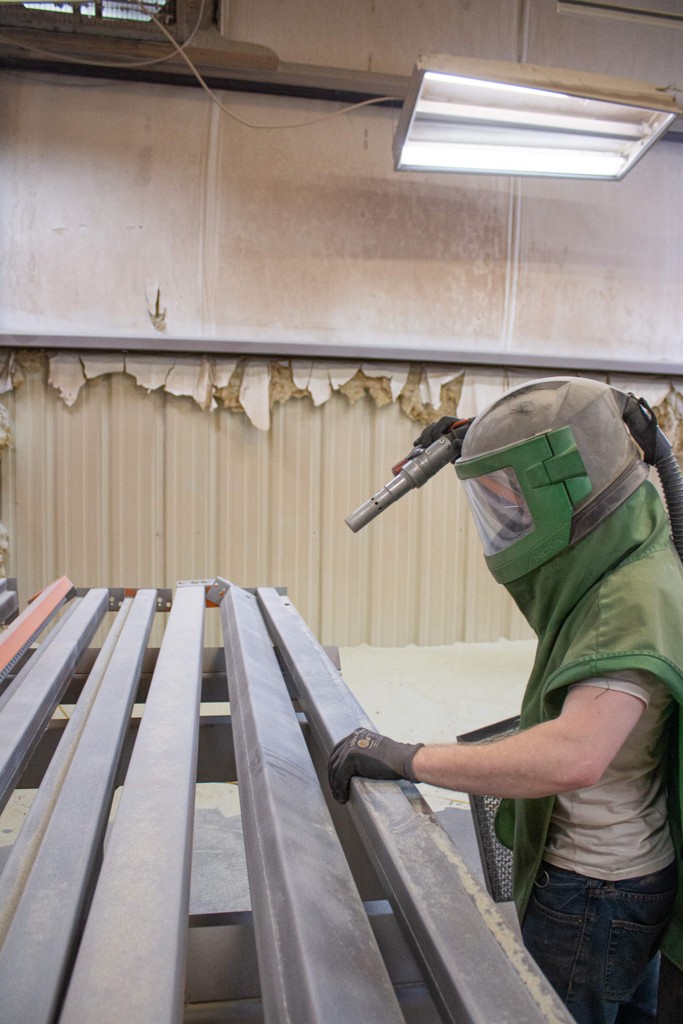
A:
{"points": [[447, 424], [370, 755]]}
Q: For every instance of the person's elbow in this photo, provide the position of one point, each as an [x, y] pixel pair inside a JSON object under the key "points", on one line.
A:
{"points": [[580, 772]]}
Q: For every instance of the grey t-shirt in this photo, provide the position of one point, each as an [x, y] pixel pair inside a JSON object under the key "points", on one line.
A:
{"points": [[618, 828]]}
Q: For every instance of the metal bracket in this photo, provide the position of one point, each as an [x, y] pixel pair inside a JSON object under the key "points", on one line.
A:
{"points": [[215, 592], [218, 588], [117, 595]]}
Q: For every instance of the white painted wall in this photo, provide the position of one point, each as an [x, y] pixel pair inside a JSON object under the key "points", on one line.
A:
{"points": [[307, 234]]}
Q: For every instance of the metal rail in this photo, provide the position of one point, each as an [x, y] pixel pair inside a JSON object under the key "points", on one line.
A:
{"points": [[455, 931], [131, 959], [58, 874], [297, 872], [30, 701], [364, 912]]}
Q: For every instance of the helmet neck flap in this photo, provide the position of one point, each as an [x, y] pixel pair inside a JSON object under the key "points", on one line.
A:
{"points": [[547, 595]]}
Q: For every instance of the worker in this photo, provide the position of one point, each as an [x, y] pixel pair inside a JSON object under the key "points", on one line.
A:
{"points": [[580, 538]]}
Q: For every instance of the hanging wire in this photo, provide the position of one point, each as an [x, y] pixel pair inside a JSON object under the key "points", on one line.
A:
{"points": [[179, 49], [249, 124]]}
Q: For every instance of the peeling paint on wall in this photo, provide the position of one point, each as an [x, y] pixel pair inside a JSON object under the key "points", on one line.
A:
{"points": [[4, 548], [6, 435], [253, 386], [10, 374]]}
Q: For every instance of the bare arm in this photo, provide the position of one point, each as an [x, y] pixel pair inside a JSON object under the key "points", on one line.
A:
{"points": [[570, 752]]}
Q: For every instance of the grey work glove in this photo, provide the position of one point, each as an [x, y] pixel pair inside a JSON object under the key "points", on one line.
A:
{"points": [[370, 755]]}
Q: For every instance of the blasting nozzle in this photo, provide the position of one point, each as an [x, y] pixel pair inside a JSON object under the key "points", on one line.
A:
{"points": [[415, 472]]}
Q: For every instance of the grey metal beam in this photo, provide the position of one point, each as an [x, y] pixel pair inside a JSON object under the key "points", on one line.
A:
{"points": [[215, 759], [54, 765], [416, 353], [473, 963], [131, 960], [214, 686], [312, 934], [58, 873], [221, 960], [35, 696], [28, 662]]}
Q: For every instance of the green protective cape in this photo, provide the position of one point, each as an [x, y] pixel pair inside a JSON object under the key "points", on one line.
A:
{"points": [[612, 601]]}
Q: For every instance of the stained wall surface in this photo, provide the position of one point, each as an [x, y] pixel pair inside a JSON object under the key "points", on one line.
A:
{"points": [[133, 210], [138, 210]]}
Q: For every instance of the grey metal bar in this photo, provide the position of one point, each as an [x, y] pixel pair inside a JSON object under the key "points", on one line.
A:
{"points": [[12, 681], [415, 353], [131, 960], [222, 966], [221, 958], [24, 716], [214, 686], [475, 966], [215, 759], [47, 918], [310, 927], [48, 786]]}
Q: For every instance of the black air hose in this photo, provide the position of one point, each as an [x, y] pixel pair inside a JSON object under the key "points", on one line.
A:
{"points": [[672, 485], [657, 452]]}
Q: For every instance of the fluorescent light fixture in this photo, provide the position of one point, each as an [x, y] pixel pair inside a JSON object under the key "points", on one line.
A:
{"points": [[497, 117]]}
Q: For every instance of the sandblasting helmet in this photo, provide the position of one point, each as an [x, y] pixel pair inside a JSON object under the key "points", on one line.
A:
{"points": [[543, 465]]}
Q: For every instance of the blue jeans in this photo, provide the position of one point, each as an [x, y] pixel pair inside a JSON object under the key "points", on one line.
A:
{"points": [[670, 1000], [596, 941]]}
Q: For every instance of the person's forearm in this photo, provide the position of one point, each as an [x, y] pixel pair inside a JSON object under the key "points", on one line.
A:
{"points": [[535, 763], [569, 752]]}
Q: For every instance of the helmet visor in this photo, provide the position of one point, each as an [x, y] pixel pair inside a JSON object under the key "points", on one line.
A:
{"points": [[500, 510]]}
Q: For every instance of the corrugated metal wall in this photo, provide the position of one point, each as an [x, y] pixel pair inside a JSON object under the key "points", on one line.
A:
{"points": [[129, 488]]}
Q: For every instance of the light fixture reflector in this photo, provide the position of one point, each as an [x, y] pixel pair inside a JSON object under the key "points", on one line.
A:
{"points": [[495, 117]]}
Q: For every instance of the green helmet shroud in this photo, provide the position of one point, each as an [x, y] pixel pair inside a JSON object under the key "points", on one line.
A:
{"points": [[553, 480]]}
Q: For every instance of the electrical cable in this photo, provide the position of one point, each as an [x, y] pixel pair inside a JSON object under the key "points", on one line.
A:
{"points": [[249, 124], [179, 50]]}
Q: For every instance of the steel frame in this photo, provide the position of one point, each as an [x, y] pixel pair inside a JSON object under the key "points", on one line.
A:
{"points": [[362, 912]]}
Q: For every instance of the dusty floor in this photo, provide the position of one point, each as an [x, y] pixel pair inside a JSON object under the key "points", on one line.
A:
{"points": [[433, 694]]}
